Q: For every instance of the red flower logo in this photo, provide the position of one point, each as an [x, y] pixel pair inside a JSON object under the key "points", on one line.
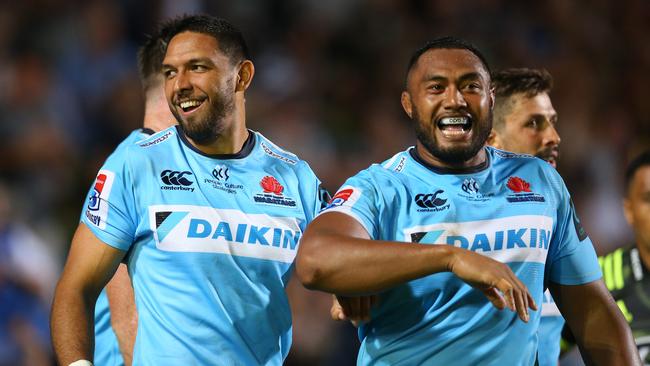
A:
{"points": [[271, 185], [518, 185]]}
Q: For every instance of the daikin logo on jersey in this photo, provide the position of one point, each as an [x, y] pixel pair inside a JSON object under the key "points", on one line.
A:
{"points": [[187, 228], [509, 239], [97, 208]]}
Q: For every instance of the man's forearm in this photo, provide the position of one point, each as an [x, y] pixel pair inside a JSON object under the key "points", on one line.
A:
{"points": [[607, 340], [595, 320], [72, 326], [345, 265], [90, 264], [611, 345]]}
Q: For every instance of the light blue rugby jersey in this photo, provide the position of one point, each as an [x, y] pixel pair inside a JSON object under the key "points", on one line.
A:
{"points": [[211, 242], [514, 209], [107, 350], [550, 332]]}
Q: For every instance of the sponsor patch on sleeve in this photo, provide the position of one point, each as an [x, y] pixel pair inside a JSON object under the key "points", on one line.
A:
{"points": [[345, 195], [97, 206]]}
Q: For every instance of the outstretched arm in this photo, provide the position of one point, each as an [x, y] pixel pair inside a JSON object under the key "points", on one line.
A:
{"points": [[337, 256], [600, 329], [90, 265], [124, 318]]}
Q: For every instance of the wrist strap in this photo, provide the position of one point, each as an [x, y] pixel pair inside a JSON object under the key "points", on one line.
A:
{"points": [[81, 363]]}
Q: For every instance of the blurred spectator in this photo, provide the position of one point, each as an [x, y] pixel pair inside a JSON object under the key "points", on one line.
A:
{"points": [[27, 276]]}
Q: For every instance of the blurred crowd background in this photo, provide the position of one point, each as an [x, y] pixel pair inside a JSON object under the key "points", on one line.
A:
{"points": [[327, 87]]}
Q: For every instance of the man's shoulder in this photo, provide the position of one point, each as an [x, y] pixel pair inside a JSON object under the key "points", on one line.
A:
{"points": [[155, 146], [507, 164], [276, 155], [502, 157], [138, 148], [157, 139]]}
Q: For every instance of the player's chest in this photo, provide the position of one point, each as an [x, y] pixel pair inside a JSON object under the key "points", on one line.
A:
{"points": [[221, 185], [457, 200], [485, 214], [634, 301]]}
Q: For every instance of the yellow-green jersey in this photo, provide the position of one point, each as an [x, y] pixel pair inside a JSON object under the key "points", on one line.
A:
{"points": [[628, 280]]}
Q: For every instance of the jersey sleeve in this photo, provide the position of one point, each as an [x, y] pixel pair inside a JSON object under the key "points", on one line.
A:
{"points": [[360, 199], [109, 210], [572, 258]]}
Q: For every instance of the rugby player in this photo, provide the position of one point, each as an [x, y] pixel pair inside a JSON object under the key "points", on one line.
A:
{"points": [[626, 271], [508, 221], [207, 216]]}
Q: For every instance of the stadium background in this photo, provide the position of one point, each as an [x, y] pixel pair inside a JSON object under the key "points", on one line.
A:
{"points": [[327, 84]]}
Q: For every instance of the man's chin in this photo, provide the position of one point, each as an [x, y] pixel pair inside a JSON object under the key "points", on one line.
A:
{"points": [[455, 155], [551, 160]]}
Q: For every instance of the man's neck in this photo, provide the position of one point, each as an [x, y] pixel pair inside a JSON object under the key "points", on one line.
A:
{"points": [[227, 143], [428, 158]]}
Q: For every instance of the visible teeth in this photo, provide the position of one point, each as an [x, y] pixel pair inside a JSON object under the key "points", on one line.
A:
{"points": [[190, 103], [453, 121]]}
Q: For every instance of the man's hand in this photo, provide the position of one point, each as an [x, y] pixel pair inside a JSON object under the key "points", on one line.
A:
{"points": [[495, 279], [356, 309]]}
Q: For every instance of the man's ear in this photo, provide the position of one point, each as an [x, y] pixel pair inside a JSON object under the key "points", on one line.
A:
{"points": [[492, 98], [406, 103], [245, 75], [627, 211]]}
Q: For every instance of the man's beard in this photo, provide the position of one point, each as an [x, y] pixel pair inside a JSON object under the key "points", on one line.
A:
{"points": [[456, 154], [547, 153], [208, 130]]}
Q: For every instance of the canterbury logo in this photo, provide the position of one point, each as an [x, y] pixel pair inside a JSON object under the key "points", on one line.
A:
{"points": [[430, 200], [175, 178]]}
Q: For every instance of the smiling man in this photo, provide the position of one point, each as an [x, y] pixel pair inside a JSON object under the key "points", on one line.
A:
{"points": [[524, 117], [207, 216], [505, 223]]}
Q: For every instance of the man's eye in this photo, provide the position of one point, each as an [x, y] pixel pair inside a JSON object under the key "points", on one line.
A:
{"points": [[436, 88], [199, 68], [169, 73]]}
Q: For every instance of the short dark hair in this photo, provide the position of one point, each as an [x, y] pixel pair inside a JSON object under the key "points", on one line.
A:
{"points": [[230, 39], [636, 164], [150, 58], [451, 43], [521, 80], [509, 82]]}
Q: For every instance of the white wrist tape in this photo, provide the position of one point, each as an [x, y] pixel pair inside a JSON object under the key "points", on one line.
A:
{"points": [[81, 363]]}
